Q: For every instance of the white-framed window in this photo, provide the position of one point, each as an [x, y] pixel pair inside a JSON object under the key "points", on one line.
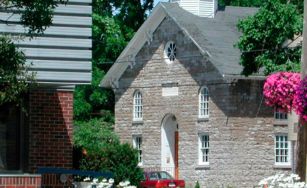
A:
{"points": [[170, 52], [280, 115], [203, 149], [137, 144], [203, 103], [282, 150], [137, 106]]}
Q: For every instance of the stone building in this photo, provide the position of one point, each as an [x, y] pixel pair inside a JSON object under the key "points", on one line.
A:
{"points": [[182, 103]]}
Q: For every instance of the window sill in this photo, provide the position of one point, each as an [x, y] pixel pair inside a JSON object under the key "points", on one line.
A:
{"points": [[202, 167], [203, 119], [137, 122], [285, 166]]}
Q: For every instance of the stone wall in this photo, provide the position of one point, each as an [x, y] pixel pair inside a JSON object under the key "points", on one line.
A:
{"points": [[240, 127]]}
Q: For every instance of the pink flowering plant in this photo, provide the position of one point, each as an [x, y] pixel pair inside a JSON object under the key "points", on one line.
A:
{"points": [[279, 90], [300, 99]]}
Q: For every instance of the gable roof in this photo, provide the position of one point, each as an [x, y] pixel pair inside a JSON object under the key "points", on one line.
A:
{"points": [[215, 38]]}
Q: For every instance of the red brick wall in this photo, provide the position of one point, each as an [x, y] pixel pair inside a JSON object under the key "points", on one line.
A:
{"points": [[51, 116], [20, 181]]}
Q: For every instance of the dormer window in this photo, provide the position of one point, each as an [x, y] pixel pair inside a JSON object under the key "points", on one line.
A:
{"points": [[137, 106], [170, 52]]}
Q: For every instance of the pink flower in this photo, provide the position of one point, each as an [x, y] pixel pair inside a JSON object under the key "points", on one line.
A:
{"points": [[300, 99], [279, 88]]}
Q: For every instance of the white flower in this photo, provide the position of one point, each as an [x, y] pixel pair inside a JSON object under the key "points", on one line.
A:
{"points": [[122, 184], [111, 181], [127, 182], [95, 180], [87, 179], [283, 180]]}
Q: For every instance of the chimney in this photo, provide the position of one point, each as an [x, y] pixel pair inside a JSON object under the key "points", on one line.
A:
{"points": [[202, 8]]}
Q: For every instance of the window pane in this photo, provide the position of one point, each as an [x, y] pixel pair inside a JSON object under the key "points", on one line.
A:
{"points": [[282, 153], [204, 148], [137, 142], [203, 102], [138, 108]]}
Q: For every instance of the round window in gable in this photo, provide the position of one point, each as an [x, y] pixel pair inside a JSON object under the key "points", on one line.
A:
{"points": [[170, 52]]}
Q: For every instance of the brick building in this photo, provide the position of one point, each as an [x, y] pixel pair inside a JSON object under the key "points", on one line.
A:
{"points": [[181, 101], [61, 59]]}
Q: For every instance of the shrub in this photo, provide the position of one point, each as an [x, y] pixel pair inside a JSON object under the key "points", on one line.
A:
{"points": [[105, 153], [197, 185]]}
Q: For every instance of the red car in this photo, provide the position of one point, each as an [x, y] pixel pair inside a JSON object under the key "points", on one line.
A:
{"points": [[160, 179]]}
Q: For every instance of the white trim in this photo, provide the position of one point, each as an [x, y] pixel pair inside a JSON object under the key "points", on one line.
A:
{"points": [[280, 116], [288, 149], [203, 102], [168, 58], [200, 148], [137, 106]]}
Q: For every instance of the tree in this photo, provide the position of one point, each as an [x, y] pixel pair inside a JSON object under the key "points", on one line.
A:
{"points": [[264, 34], [13, 72], [258, 3], [14, 77], [114, 24], [36, 14], [242, 3]]}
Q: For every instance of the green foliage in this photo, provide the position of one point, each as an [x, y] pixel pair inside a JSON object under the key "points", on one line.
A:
{"points": [[111, 32], [35, 14], [94, 135], [258, 3], [264, 35], [14, 77], [242, 3], [104, 151], [133, 13], [120, 159], [108, 39], [197, 185], [92, 101]]}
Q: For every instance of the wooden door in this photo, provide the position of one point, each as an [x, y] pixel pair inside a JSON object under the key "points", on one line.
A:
{"points": [[176, 155]]}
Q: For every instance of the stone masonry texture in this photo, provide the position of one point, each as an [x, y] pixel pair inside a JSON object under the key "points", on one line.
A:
{"points": [[50, 125], [240, 126]]}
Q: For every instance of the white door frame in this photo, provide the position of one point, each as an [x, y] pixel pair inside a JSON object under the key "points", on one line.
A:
{"points": [[168, 129]]}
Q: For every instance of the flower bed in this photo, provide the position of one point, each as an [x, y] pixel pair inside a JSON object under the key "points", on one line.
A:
{"points": [[104, 183]]}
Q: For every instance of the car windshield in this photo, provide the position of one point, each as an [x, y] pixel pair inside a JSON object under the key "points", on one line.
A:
{"points": [[160, 176], [165, 175]]}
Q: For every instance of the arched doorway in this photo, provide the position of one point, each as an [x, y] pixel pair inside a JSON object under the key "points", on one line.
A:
{"points": [[169, 145]]}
